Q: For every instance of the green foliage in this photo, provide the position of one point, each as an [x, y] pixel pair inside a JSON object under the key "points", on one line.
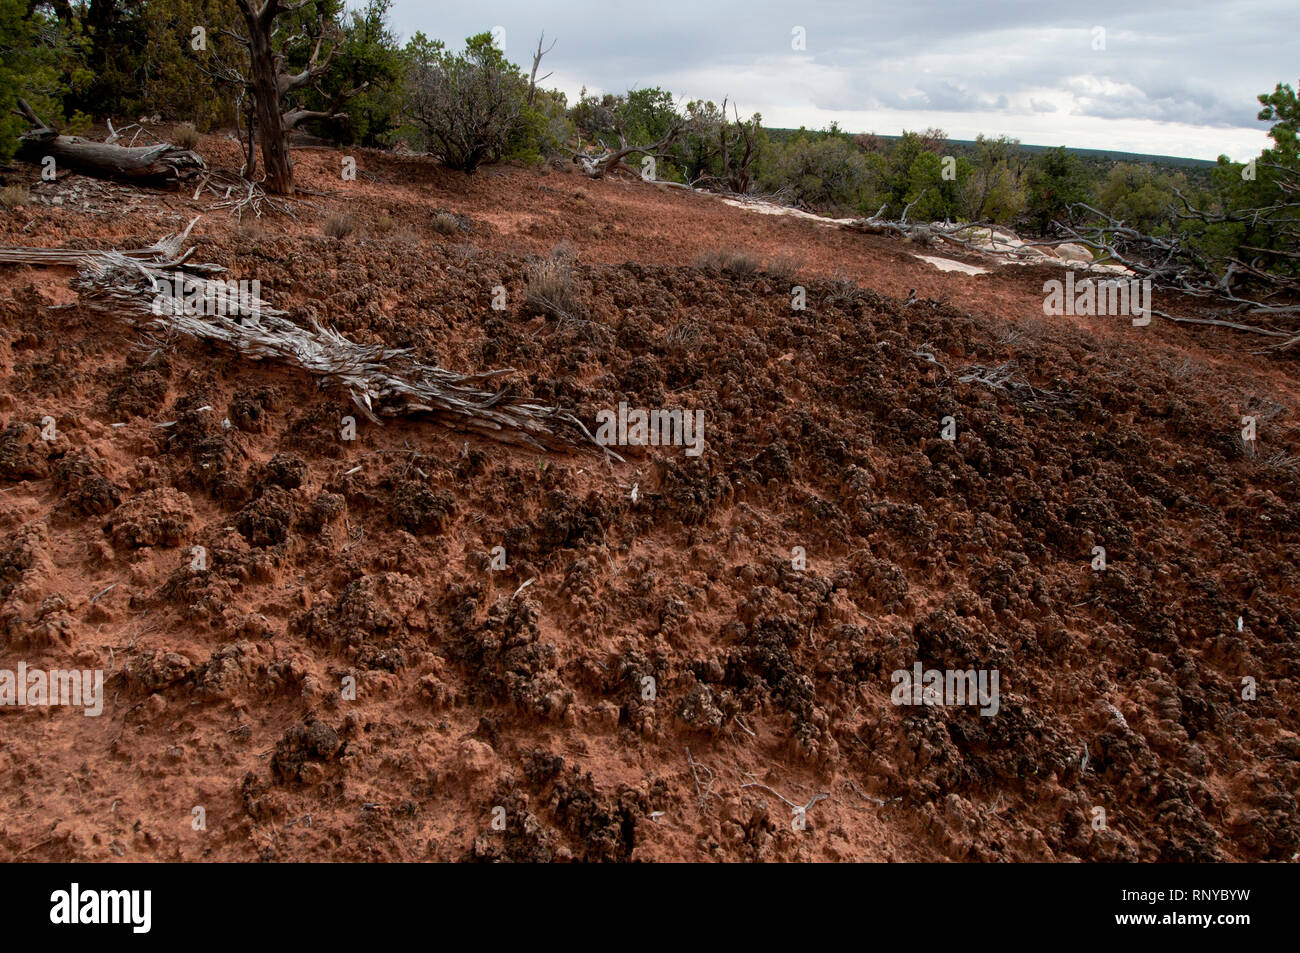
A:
{"points": [[1246, 215], [14, 36], [1141, 197], [718, 151], [39, 62], [465, 106], [126, 58], [368, 55], [544, 128], [931, 194], [896, 174], [993, 190], [641, 116], [649, 114], [1282, 106], [1056, 181], [17, 37], [909, 171], [139, 58], [163, 75], [825, 171], [696, 153], [1242, 219]]}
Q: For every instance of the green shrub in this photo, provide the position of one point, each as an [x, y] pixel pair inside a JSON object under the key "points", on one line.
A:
{"points": [[467, 105]]}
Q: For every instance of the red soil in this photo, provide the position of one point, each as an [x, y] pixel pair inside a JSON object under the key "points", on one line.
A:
{"points": [[822, 432]]}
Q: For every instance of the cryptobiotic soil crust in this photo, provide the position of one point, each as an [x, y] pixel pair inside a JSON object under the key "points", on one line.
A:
{"points": [[349, 678]]}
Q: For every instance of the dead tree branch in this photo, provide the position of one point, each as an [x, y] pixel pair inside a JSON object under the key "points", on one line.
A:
{"points": [[610, 161], [537, 61], [163, 164], [381, 381]]}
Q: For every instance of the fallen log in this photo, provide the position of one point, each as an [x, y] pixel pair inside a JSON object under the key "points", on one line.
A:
{"points": [[381, 381], [158, 165]]}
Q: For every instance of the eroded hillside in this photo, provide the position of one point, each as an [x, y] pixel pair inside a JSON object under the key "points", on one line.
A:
{"points": [[651, 676]]}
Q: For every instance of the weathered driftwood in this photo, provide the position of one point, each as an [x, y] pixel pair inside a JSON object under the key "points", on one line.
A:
{"points": [[164, 253], [381, 381], [160, 165]]}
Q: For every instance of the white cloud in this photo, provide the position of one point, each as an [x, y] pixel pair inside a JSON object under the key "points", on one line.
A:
{"points": [[1175, 78]]}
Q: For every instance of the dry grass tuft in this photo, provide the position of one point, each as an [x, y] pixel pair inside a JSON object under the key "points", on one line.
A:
{"points": [[550, 288], [12, 196], [682, 336], [728, 260], [339, 225], [783, 267], [185, 135]]}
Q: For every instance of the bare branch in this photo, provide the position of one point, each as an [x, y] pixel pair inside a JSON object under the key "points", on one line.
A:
{"points": [[537, 59]]}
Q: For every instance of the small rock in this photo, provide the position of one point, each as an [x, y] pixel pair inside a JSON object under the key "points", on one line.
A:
{"points": [[1073, 252]]}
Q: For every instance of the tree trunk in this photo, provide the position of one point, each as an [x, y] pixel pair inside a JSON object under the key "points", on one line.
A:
{"points": [[147, 165], [270, 122]]}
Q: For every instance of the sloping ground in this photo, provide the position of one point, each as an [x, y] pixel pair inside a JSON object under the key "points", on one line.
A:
{"points": [[477, 700]]}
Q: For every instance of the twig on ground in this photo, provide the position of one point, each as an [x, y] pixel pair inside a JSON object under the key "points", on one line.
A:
{"points": [[867, 797], [102, 593], [702, 794], [797, 808], [930, 358]]}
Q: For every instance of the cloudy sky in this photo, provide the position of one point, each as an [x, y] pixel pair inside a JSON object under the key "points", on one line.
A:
{"points": [[1148, 76]]}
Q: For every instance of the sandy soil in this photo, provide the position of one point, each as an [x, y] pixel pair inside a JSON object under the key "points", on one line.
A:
{"points": [[669, 680]]}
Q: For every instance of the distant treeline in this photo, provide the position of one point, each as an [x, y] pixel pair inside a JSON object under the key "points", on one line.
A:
{"points": [[998, 180], [1085, 155]]}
